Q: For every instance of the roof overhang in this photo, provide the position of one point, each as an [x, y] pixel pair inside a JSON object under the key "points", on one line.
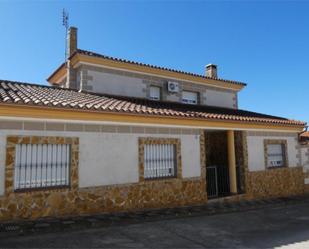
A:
{"points": [[77, 59], [39, 112]]}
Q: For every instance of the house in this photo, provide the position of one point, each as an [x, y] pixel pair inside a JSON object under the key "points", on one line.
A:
{"points": [[304, 145], [304, 137], [115, 135]]}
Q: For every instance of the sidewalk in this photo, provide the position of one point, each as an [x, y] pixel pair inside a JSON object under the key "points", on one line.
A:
{"points": [[125, 218]]}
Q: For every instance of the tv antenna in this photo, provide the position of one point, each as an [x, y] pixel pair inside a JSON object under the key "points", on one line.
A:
{"points": [[65, 23]]}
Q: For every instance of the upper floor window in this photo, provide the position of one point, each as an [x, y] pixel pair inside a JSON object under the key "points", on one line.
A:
{"points": [[275, 154], [155, 93], [189, 97]]}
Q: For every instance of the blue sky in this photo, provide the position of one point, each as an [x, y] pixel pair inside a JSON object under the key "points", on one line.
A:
{"points": [[262, 43]]}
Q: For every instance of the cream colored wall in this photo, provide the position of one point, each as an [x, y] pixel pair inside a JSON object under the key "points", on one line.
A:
{"points": [[117, 84], [219, 98], [256, 160], [137, 86], [111, 158]]}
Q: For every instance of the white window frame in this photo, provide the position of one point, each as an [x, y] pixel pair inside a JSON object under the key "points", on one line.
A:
{"points": [[275, 154], [155, 92], [189, 100]]}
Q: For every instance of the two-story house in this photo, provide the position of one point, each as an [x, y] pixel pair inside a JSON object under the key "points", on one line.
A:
{"points": [[116, 135]]}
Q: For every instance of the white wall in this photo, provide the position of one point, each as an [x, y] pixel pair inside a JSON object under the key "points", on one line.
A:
{"points": [[117, 84], [219, 98], [111, 158], [256, 159], [133, 86]]}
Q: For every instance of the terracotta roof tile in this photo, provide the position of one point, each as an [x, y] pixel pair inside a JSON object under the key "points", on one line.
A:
{"points": [[304, 138], [46, 96], [305, 135]]}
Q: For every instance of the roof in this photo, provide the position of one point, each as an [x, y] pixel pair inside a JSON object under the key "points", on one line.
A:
{"points": [[94, 54], [18, 93], [305, 135]]}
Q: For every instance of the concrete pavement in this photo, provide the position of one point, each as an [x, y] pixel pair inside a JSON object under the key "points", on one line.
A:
{"points": [[269, 227]]}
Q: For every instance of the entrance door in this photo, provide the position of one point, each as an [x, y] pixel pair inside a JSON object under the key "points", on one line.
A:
{"points": [[217, 171], [218, 183]]}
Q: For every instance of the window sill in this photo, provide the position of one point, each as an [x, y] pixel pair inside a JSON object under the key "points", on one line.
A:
{"points": [[51, 188], [276, 167], [161, 179]]}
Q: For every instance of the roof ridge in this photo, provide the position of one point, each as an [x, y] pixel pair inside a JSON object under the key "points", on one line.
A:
{"points": [[91, 53]]}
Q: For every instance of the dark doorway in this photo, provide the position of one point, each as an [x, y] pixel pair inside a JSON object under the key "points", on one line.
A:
{"points": [[217, 171]]}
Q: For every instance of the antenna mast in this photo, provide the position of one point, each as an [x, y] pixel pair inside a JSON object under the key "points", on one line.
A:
{"points": [[65, 23]]}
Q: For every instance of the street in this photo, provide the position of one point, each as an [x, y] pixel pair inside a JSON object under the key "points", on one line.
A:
{"points": [[271, 227]]}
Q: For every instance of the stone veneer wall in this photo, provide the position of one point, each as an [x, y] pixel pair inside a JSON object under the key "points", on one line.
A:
{"points": [[278, 182], [272, 182], [241, 159], [35, 204], [134, 196]]}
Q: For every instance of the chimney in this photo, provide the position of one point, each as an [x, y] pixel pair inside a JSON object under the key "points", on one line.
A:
{"points": [[211, 71], [72, 41], [71, 48]]}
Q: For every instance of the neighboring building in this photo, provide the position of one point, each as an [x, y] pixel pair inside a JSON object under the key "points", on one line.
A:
{"points": [[115, 135], [304, 138], [304, 145]]}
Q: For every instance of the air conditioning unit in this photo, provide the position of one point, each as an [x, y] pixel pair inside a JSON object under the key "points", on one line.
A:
{"points": [[172, 87]]}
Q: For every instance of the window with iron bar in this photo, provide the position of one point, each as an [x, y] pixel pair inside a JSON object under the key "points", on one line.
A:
{"points": [[159, 161], [42, 166], [275, 153]]}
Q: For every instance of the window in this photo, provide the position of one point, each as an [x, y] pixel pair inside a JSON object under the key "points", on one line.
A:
{"points": [[159, 161], [275, 154], [159, 158], [155, 93], [41, 165], [189, 97]]}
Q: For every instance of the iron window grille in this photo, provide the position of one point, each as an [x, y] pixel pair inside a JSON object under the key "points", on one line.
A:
{"points": [[275, 152], [275, 155], [159, 161], [42, 166]]}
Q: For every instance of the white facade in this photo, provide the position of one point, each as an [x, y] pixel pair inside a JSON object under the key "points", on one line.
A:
{"points": [[111, 158], [256, 157], [117, 84], [220, 98], [138, 85]]}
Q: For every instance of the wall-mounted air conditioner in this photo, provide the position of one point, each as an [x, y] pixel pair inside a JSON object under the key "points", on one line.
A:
{"points": [[172, 87]]}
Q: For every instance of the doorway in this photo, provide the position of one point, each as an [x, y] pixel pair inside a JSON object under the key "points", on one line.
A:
{"points": [[217, 171]]}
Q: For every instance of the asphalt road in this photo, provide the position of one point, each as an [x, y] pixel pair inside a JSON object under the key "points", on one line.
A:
{"points": [[280, 227]]}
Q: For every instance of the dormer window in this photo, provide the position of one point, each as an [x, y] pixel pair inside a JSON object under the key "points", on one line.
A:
{"points": [[189, 97], [155, 93]]}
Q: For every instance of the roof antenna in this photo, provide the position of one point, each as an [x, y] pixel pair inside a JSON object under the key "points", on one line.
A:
{"points": [[65, 23]]}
